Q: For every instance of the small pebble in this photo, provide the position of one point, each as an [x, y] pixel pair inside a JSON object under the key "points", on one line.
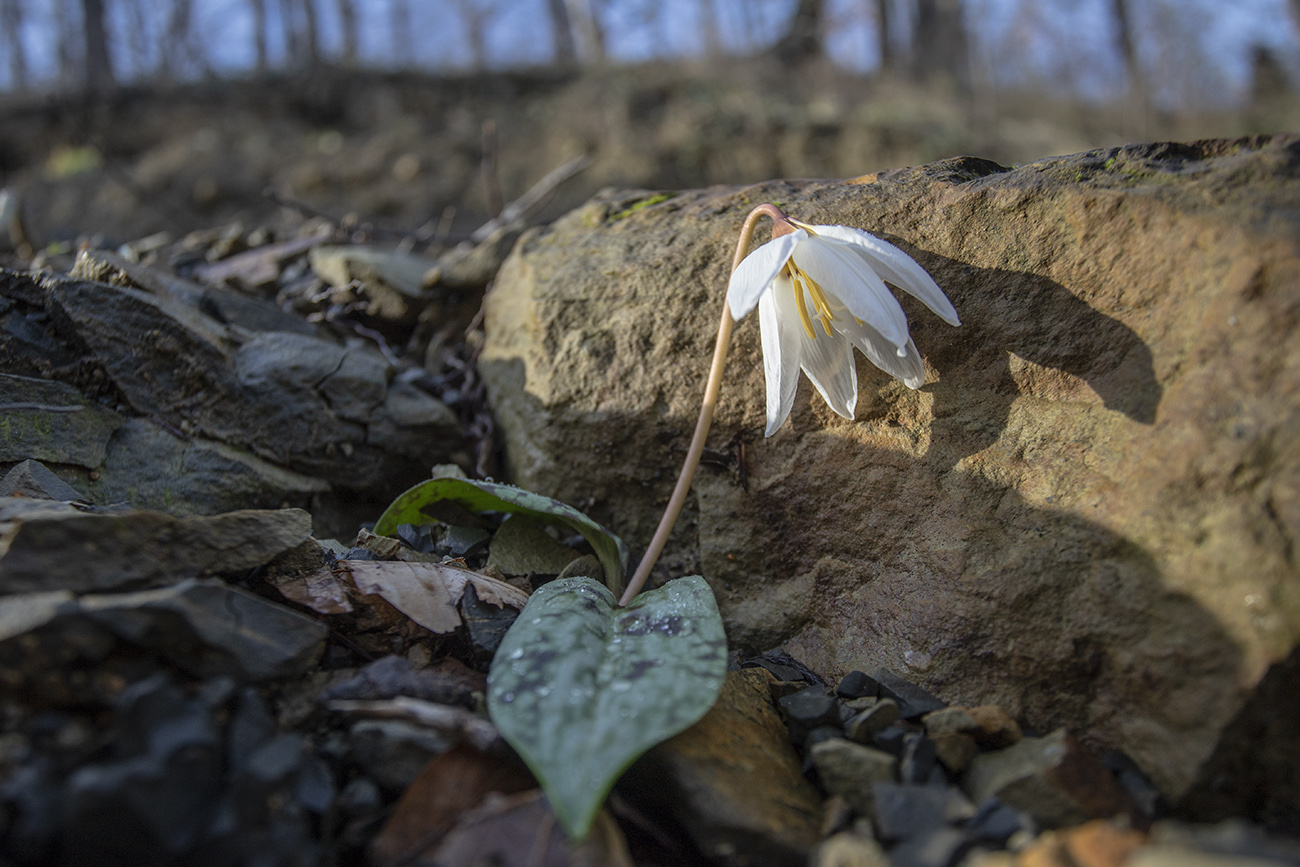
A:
{"points": [[913, 701], [917, 760], [857, 684], [808, 709], [861, 727]]}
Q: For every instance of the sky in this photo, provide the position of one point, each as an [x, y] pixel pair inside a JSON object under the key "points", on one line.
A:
{"points": [[1200, 48]]}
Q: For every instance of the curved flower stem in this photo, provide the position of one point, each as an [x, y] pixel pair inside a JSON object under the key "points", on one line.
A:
{"points": [[711, 389]]}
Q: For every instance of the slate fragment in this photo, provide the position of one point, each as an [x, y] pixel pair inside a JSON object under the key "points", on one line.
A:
{"points": [[447, 683], [33, 479], [273, 393], [83, 552], [1051, 778], [154, 803], [852, 771], [208, 628], [857, 684], [913, 701], [168, 781], [52, 421], [904, 811], [393, 752], [227, 306], [782, 665], [808, 709], [864, 725]]}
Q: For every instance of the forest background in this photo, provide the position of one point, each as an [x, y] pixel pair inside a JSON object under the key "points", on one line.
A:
{"points": [[132, 116]]}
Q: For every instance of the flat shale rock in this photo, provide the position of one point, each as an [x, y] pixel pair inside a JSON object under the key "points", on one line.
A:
{"points": [[51, 421], [733, 781], [1051, 778], [54, 548], [209, 628], [1088, 514], [199, 400]]}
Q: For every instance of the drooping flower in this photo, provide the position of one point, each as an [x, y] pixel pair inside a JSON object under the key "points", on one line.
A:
{"points": [[820, 291]]}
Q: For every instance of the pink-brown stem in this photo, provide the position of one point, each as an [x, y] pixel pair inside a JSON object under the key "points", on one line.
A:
{"points": [[711, 389]]}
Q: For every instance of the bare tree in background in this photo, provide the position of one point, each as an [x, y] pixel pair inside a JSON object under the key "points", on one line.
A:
{"points": [[302, 37], [1127, 47], [940, 47], [584, 21], [802, 40], [98, 62], [399, 23], [11, 24], [259, 35], [884, 22], [476, 15], [347, 10], [712, 31], [561, 32]]}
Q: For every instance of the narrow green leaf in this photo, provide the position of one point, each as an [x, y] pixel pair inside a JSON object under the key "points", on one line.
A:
{"points": [[411, 507], [581, 688]]}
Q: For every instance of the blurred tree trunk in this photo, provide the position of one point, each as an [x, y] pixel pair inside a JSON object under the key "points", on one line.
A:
{"points": [[348, 24], [475, 15], [311, 33], [302, 37], [940, 48], [399, 22], [11, 24], [888, 57], [712, 32], [98, 61], [561, 32], [259, 34], [802, 40], [178, 48], [1128, 46], [68, 38], [586, 22]]}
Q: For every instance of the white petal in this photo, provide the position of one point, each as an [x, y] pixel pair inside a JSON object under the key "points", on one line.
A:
{"points": [[757, 271], [781, 333], [895, 266], [883, 354], [846, 276], [828, 361]]}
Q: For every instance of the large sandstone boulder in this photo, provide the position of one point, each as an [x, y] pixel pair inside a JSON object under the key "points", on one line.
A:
{"points": [[1089, 513]]}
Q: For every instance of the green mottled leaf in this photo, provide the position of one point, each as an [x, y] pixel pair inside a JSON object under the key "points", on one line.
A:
{"points": [[411, 507], [581, 688]]}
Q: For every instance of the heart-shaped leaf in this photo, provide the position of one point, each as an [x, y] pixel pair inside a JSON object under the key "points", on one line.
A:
{"points": [[411, 506], [581, 688]]}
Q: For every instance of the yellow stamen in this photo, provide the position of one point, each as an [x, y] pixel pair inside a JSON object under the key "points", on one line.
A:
{"points": [[798, 299], [818, 296]]}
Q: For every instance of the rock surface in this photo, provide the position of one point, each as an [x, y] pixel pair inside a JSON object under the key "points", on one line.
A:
{"points": [[732, 781], [1087, 516], [135, 386]]}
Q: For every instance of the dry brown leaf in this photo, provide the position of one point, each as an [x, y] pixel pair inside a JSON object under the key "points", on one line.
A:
{"points": [[320, 591], [450, 785], [521, 831], [429, 593]]}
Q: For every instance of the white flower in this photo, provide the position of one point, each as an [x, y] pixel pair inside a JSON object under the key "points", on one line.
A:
{"points": [[820, 291]]}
